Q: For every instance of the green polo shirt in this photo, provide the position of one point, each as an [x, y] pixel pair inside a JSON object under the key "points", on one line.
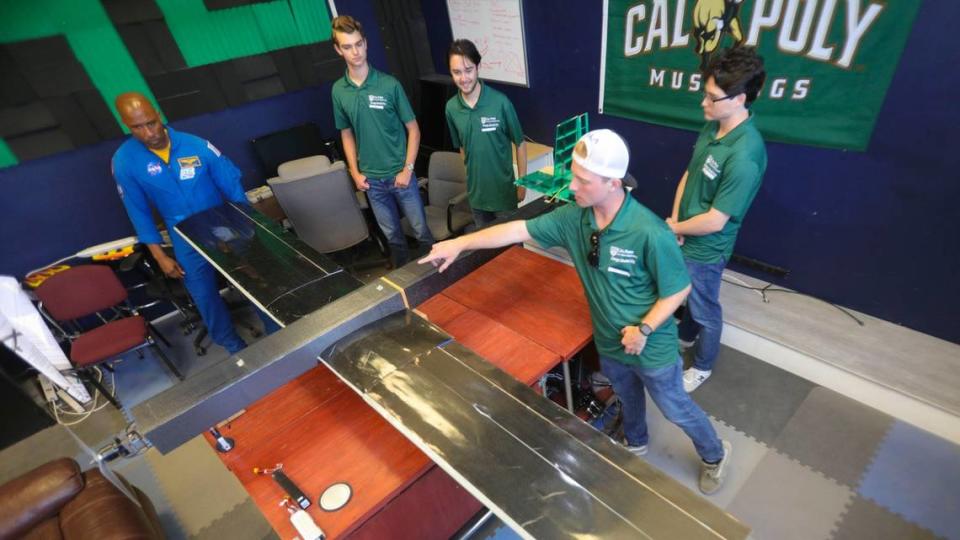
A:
{"points": [[724, 174], [485, 133], [640, 263], [376, 111]]}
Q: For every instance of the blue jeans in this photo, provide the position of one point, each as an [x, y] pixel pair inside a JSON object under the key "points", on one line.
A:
{"points": [[387, 201], [666, 390], [482, 218], [200, 279], [703, 316]]}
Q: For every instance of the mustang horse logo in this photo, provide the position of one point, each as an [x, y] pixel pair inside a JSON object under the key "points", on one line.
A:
{"points": [[712, 19]]}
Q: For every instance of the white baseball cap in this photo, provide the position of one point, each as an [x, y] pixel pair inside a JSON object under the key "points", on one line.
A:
{"points": [[607, 154]]}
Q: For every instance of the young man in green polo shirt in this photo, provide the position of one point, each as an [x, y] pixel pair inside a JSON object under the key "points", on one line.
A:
{"points": [[634, 278], [484, 124], [713, 197], [380, 139]]}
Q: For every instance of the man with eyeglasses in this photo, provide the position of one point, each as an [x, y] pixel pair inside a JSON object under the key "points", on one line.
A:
{"points": [[713, 197], [634, 279]]}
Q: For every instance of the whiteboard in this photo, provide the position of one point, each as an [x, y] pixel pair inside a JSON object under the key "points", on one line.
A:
{"points": [[496, 28]]}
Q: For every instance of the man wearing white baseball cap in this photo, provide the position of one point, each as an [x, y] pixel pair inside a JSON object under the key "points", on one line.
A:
{"points": [[634, 278]]}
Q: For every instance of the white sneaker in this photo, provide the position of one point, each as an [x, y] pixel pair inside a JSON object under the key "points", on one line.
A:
{"points": [[640, 450], [712, 475], [693, 378]]}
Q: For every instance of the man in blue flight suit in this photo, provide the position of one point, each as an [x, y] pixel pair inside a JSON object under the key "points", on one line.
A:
{"points": [[180, 175]]}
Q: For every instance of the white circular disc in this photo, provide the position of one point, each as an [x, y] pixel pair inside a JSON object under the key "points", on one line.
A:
{"points": [[335, 497]]}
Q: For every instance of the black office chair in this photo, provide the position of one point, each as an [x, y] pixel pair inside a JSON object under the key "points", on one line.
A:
{"points": [[158, 288]]}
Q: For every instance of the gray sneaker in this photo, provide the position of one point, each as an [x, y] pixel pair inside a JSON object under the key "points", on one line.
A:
{"points": [[712, 475]]}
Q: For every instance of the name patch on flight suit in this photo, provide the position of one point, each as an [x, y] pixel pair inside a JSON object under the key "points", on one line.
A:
{"points": [[188, 166], [190, 162]]}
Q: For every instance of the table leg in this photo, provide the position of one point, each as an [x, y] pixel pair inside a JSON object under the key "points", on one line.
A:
{"points": [[568, 385]]}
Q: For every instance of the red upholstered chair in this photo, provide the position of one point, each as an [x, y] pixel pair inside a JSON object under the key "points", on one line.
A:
{"points": [[89, 290]]}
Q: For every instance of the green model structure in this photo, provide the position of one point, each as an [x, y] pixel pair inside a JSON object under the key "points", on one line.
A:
{"points": [[556, 185]]}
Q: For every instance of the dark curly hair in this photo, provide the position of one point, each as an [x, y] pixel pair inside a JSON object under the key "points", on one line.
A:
{"points": [[465, 48], [738, 70]]}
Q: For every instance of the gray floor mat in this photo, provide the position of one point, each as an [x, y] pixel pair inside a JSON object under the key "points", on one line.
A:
{"points": [[755, 397], [834, 435], [866, 520]]}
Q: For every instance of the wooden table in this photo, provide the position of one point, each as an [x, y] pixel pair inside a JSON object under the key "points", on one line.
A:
{"points": [[523, 312]]}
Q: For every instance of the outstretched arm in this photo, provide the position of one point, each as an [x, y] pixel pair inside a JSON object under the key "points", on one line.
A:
{"points": [[444, 253]]}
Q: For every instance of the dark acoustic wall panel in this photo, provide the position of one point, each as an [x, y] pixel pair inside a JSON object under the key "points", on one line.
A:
{"points": [[40, 143], [435, 91], [48, 103], [226, 4], [14, 89], [93, 106], [17, 120], [152, 47], [73, 191], [49, 66], [408, 53], [132, 11], [317, 63], [187, 92], [183, 91], [71, 119], [287, 71]]}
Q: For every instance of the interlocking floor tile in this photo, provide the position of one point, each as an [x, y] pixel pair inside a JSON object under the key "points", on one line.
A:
{"points": [[865, 520], [671, 451], [196, 483], [755, 397], [782, 500], [834, 434], [917, 475]]}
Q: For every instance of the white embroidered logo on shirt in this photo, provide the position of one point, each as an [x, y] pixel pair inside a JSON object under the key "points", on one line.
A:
{"points": [[489, 123], [377, 102], [154, 168], [711, 168], [622, 255]]}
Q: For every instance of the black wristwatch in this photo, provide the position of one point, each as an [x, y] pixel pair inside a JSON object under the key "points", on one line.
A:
{"points": [[645, 329]]}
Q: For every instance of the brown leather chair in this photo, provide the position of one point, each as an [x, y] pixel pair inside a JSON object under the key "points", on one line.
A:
{"points": [[56, 501]]}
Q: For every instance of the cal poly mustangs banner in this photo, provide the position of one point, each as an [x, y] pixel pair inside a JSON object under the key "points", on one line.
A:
{"points": [[829, 62]]}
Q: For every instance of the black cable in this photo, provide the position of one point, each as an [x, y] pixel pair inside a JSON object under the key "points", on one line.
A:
{"points": [[769, 288]]}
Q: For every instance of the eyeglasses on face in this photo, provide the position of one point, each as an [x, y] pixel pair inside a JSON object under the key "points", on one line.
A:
{"points": [[719, 99]]}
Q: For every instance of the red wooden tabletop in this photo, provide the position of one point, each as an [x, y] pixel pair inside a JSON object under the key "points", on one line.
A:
{"points": [[538, 297], [521, 311]]}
